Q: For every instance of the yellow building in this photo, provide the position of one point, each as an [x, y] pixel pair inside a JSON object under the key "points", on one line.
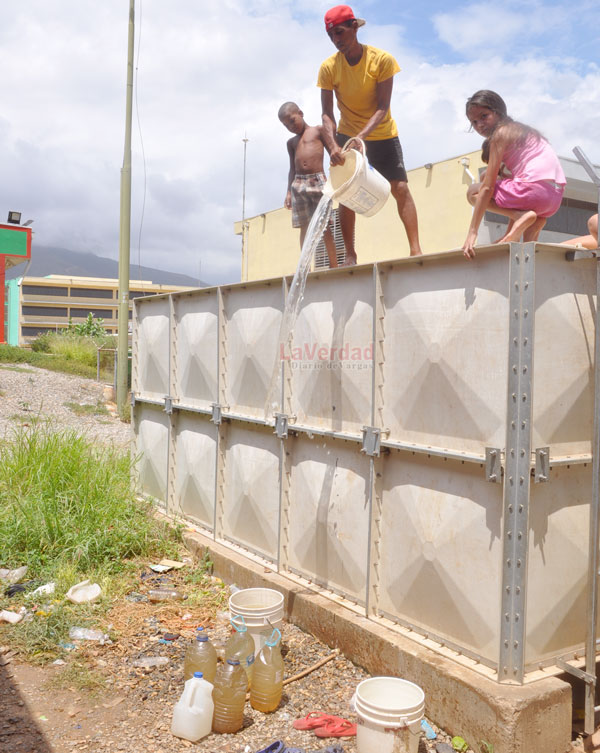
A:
{"points": [[271, 247], [47, 304]]}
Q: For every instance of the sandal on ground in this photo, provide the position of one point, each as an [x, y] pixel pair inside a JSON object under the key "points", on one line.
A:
{"points": [[336, 728], [277, 747], [313, 720]]}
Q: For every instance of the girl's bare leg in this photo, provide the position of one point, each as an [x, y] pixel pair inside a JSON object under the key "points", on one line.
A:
{"points": [[521, 221], [533, 231]]}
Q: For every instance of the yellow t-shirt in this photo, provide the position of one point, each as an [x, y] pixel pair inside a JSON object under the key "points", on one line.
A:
{"points": [[355, 90]]}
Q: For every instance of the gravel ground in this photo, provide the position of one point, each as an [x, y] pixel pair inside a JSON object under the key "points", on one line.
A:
{"points": [[29, 394], [133, 710]]}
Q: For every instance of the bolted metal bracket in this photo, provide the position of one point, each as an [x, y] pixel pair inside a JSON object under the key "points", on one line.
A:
{"points": [[281, 425], [132, 399], [371, 440], [216, 414], [582, 253], [168, 405], [493, 465], [542, 465]]}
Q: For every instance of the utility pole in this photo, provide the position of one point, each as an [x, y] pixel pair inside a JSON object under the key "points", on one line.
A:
{"points": [[244, 244], [125, 230]]}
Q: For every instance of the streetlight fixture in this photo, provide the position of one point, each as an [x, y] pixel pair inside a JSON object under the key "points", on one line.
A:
{"points": [[14, 218]]}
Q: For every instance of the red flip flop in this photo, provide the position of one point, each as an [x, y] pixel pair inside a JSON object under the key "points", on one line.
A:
{"points": [[336, 727], [315, 720]]}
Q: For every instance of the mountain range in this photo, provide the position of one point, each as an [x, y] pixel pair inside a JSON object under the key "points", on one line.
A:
{"points": [[50, 260]]}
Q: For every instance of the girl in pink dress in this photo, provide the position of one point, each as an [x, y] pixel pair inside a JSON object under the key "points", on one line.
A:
{"points": [[523, 180]]}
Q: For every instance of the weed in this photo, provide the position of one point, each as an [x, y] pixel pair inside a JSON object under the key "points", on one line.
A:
{"points": [[64, 500], [76, 674], [19, 369], [85, 409]]}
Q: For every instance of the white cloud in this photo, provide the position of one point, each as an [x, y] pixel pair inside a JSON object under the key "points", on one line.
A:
{"points": [[489, 28]]}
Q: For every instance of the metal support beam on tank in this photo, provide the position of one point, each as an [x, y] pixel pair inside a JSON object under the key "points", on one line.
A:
{"points": [[517, 471], [592, 592]]}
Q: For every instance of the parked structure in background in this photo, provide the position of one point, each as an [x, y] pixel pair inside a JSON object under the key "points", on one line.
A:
{"points": [[15, 248], [47, 304], [439, 190]]}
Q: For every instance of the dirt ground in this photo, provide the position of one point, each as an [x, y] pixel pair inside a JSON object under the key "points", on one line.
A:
{"points": [[98, 700]]}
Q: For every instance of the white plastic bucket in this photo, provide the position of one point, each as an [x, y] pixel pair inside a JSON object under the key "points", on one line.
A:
{"points": [[389, 715], [262, 610], [357, 185]]}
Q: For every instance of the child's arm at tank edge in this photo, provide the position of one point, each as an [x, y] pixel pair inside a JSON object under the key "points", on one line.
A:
{"points": [[291, 147], [486, 191]]}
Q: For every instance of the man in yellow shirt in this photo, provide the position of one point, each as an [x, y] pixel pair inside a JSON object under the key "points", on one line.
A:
{"points": [[362, 78]]}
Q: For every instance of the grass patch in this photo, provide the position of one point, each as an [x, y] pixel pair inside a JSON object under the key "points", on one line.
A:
{"points": [[65, 362], [19, 369], [76, 674], [64, 500], [85, 409], [68, 510]]}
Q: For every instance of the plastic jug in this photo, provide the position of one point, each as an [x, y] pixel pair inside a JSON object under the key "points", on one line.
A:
{"points": [[267, 676], [201, 656], [229, 696], [240, 645], [193, 712]]}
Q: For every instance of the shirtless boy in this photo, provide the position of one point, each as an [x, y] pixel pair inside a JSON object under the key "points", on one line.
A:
{"points": [[306, 177]]}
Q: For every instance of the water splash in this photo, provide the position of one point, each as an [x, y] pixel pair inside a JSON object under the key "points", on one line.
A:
{"points": [[316, 228]]}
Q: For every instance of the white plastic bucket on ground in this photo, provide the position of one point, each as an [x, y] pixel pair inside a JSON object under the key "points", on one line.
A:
{"points": [[389, 715], [262, 610], [357, 185]]}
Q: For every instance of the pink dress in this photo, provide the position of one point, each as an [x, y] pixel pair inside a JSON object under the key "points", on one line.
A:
{"points": [[537, 182]]}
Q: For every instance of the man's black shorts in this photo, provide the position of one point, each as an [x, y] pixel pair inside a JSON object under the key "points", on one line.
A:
{"points": [[385, 156]]}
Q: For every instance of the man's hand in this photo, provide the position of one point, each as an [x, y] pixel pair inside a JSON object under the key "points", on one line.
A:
{"points": [[336, 156]]}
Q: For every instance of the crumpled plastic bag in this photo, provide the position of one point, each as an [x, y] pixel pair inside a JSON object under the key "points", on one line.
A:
{"points": [[83, 592]]}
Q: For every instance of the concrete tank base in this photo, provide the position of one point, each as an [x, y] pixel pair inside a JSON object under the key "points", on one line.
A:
{"points": [[533, 718]]}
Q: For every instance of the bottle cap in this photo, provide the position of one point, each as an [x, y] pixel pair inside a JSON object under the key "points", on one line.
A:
{"points": [[201, 635], [233, 661], [199, 675]]}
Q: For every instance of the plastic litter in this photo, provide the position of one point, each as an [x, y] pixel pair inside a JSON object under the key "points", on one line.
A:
{"points": [[193, 713], [13, 576], [147, 662], [86, 634], [165, 594], [459, 744], [45, 590], [16, 588], [83, 592], [12, 617], [165, 565], [428, 730]]}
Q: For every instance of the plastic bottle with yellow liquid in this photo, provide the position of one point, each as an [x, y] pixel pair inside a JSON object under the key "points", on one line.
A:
{"points": [[240, 645], [201, 656], [267, 676], [229, 696]]}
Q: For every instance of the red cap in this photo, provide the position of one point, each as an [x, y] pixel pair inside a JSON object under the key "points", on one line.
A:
{"points": [[338, 15]]}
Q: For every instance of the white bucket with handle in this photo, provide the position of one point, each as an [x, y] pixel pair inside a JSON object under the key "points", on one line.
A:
{"points": [[262, 610], [356, 184], [389, 715]]}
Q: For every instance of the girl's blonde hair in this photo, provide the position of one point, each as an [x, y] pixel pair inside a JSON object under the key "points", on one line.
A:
{"points": [[518, 132]]}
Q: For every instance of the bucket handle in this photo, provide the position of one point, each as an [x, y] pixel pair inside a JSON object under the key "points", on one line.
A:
{"points": [[347, 146]]}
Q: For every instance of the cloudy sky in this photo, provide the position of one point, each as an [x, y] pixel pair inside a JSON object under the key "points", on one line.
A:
{"points": [[209, 72]]}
